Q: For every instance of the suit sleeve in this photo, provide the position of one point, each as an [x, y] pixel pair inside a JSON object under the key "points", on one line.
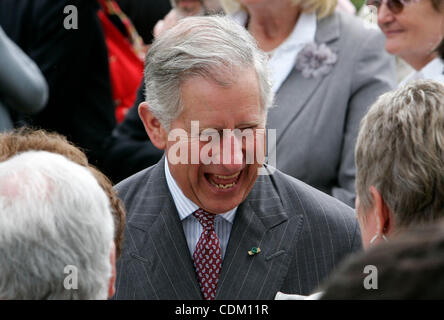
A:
{"points": [[374, 74]]}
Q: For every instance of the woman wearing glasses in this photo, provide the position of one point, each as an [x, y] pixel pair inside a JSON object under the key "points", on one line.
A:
{"points": [[328, 68], [414, 29]]}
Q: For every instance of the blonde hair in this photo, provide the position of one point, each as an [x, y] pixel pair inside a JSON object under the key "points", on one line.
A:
{"points": [[400, 150], [323, 8]]}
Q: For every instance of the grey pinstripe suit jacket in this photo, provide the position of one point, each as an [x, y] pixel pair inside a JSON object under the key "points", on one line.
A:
{"points": [[302, 233]]}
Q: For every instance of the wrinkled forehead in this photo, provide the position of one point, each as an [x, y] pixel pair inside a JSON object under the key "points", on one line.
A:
{"points": [[233, 99]]}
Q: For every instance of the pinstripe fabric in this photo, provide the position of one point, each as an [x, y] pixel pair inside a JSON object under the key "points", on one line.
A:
{"points": [[191, 226], [303, 234]]}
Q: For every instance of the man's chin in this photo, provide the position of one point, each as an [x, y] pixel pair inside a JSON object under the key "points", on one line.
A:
{"points": [[219, 208]]}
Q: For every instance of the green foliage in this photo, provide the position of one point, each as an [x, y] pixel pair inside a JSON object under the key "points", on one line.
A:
{"points": [[358, 3]]}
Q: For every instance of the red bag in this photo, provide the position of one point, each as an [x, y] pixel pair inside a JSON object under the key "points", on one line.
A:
{"points": [[125, 58]]}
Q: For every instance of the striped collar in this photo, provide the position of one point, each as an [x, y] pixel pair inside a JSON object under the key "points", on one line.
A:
{"points": [[186, 207]]}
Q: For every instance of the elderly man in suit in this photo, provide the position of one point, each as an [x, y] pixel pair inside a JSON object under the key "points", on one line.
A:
{"points": [[209, 220]]}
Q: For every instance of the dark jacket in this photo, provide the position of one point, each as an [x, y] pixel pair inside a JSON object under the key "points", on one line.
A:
{"points": [[74, 63]]}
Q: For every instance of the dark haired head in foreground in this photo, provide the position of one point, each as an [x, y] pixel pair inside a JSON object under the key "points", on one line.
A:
{"points": [[408, 267]]}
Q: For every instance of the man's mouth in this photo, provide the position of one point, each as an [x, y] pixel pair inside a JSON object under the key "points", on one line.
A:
{"points": [[223, 181]]}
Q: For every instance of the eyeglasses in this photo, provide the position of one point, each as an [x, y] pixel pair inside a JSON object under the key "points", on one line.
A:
{"points": [[395, 6]]}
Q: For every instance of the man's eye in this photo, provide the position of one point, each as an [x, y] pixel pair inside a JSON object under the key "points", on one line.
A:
{"points": [[248, 128]]}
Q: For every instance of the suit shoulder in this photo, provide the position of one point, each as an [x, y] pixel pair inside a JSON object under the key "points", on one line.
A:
{"points": [[132, 185], [357, 28], [298, 195]]}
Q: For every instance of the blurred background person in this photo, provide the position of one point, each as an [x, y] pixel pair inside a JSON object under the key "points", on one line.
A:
{"points": [[145, 14], [346, 6], [328, 68], [126, 52], [54, 215], [343, 5], [74, 63], [400, 168], [25, 139], [23, 88], [408, 268], [413, 31], [180, 9], [214, 6]]}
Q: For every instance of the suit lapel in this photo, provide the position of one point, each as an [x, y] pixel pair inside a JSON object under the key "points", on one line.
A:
{"points": [[163, 245], [298, 89], [260, 222]]}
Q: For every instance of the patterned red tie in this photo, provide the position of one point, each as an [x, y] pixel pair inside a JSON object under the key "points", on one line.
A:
{"points": [[207, 256]]}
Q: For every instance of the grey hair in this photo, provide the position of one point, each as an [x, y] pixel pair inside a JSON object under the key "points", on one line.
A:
{"points": [[400, 151], [213, 47], [53, 215]]}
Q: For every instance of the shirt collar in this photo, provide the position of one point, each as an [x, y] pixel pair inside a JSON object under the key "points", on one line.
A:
{"points": [[304, 31], [433, 70], [186, 207], [283, 58]]}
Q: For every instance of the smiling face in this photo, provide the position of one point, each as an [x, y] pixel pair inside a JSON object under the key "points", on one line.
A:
{"points": [[218, 188], [414, 33]]}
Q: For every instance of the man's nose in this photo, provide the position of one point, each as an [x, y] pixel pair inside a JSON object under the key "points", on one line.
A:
{"points": [[232, 152]]}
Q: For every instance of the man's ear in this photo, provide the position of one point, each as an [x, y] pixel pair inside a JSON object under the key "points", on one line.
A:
{"points": [[383, 214], [112, 280], [153, 128]]}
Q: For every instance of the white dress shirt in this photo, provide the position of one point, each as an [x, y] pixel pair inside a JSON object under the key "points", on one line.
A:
{"points": [[283, 58], [434, 70], [191, 226]]}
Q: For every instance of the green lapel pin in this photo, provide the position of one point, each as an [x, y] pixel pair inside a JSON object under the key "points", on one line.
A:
{"points": [[254, 251]]}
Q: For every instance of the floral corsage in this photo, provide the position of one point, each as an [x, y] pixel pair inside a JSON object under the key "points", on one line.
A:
{"points": [[315, 60]]}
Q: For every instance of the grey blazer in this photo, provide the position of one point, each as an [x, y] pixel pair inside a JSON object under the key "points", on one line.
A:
{"points": [[317, 119], [302, 232]]}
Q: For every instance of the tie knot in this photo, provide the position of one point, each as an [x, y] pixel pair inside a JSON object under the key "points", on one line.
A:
{"points": [[206, 219]]}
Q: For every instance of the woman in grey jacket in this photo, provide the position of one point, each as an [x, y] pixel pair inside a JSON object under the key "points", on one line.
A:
{"points": [[22, 86], [328, 68]]}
